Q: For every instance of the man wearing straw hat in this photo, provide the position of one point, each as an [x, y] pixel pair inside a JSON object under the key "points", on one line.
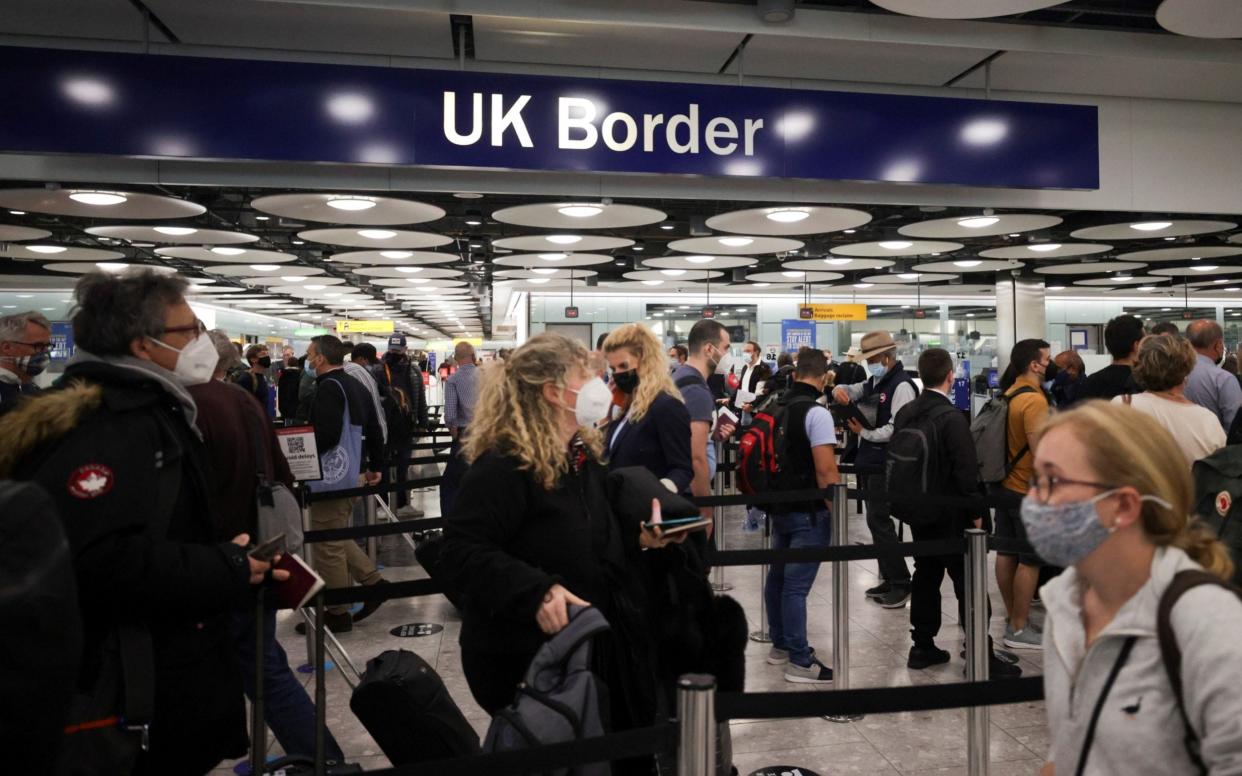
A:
{"points": [[882, 395]]}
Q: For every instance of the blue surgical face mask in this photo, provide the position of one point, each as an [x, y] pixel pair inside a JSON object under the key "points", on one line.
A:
{"points": [[877, 370], [1063, 534], [309, 367]]}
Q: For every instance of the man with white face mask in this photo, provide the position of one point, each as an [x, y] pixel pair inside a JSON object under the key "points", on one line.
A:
{"points": [[25, 341], [708, 348], [117, 451]]}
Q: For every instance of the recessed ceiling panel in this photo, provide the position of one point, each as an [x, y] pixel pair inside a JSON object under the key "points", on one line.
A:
{"points": [[786, 220], [735, 245], [1089, 268], [684, 275], [1201, 18], [170, 234], [1196, 270], [979, 225], [378, 239], [1126, 280], [969, 265], [248, 270], [1151, 228], [838, 264], [553, 259], [408, 272], [572, 216], [963, 9], [54, 252], [1045, 250], [699, 262], [98, 203], [792, 276], [83, 267], [896, 248], [418, 282], [395, 258], [1184, 253], [226, 254], [356, 209], [14, 233], [557, 243], [908, 277]]}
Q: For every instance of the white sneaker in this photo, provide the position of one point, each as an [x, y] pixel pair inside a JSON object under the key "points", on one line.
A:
{"points": [[409, 510], [778, 657], [815, 673], [1027, 638]]}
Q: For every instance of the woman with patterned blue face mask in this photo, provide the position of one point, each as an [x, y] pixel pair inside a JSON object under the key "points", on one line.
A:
{"points": [[1111, 500]]}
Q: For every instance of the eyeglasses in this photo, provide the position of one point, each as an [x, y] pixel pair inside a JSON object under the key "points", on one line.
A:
{"points": [[32, 345], [198, 327], [1043, 486]]}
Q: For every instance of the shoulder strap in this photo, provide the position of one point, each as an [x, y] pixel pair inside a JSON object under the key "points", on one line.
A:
{"points": [[1171, 653], [1089, 739], [1026, 447]]}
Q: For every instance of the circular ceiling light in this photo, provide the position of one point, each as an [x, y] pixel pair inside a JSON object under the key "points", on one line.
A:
{"points": [[701, 259], [895, 245], [554, 256], [410, 270], [793, 274], [838, 262], [673, 272], [293, 279], [545, 270], [176, 231], [863, 285], [761, 285], [580, 211], [46, 248], [351, 204], [265, 267], [1204, 267], [229, 251], [315, 287], [101, 198], [112, 266], [909, 276], [396, 254], [736, 242], [563, 239], [978, 222], [540, 281], [418, 281], [1151, 226], [1043, 247], [376, 234], [787, 216], [967, 263]]}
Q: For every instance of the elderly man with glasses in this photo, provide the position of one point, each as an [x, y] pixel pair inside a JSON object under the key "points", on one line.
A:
{"points": [[25, 343]]}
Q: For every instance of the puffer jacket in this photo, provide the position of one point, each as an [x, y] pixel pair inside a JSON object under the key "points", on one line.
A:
{"points": [[1140, 730]]}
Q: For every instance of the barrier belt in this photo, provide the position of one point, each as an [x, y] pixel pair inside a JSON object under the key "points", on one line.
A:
{"points": [[837, 553], [428, 459], [653, 740], [432, 445], [370, 490], [818, 494], [335, 596], [880, 700], [379, 529]]}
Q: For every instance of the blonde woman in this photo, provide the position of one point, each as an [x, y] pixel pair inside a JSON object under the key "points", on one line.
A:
{"points": [[1110, 501], [532, 531], [1164, 362], [653, 429]]}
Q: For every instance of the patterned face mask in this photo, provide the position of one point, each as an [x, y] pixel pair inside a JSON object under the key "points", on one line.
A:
{"points": [[1063, 534]]}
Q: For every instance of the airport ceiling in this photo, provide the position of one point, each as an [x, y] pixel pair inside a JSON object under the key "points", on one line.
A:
{"points": [[434, 258]]}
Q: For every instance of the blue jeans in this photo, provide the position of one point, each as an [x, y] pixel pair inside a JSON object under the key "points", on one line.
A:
{"points": [[287, 709], [789, 583]]}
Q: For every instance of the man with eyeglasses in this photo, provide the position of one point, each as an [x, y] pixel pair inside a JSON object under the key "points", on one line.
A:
{"points": [[25, 343], [117, 450]]}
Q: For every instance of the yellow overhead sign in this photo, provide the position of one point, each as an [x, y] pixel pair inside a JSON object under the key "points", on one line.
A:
{"points": [[832, 312], [364, 327]]}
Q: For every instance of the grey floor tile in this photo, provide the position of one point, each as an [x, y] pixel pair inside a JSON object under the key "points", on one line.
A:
{"points": [[850, 759]]}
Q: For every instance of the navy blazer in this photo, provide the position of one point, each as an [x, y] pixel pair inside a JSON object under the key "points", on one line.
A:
{"points": [[660, 442]]}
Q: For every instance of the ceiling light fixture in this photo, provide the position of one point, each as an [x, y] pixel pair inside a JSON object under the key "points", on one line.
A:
{"points": [[17, 212], [265, 267], [794, 274], [377, 234], [293, 278], [100, 198], [1054, 288], [418, 281], [410, 270], [539, 281], [735, 242], [580, 211], [909, 276], [1146, 288], [863, 285], [652, 282], [554, 256], [1043, 247], [47, 248], [761, 285], [351, 203], [967, 263], [176, 231], [1205, 267], [838, 262], [787, 215], [228, 251], [700, 259], [112, 266], [396, 254], [1151, 226], [545, 270], [895, 245], [978, 222], [850, 231], [263, 218], [673, 273], [563, 239]]}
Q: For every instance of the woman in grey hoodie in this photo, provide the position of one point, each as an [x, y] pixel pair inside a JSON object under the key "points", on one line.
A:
{"points": [[1110, 501]]}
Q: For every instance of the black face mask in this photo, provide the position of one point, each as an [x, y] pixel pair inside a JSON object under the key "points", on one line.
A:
{"points": [[626, 381], [265, 362], [1050, 371]]}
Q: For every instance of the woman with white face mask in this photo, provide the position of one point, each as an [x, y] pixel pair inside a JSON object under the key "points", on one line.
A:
{"points": [[1110, 500], [533, 530]]}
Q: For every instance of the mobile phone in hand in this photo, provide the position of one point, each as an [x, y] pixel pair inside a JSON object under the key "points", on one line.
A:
{"points": [[269, 549]]}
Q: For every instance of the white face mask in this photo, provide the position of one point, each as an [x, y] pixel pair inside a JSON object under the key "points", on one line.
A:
{"points": [[196, 362], [725, 363], [594, 398]]}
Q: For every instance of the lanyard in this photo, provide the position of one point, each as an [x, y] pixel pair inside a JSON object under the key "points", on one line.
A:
{"points": [[1126, 649]]}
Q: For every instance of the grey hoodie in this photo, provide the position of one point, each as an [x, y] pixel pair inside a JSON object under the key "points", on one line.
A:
{"points": [[1140, 730]]}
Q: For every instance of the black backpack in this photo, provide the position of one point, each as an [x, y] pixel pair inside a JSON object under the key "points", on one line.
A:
{"points": [[1218, 498], [912, 467]]}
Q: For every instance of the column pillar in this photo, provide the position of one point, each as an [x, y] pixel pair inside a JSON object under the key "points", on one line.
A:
{"points": [[1019, 314]]}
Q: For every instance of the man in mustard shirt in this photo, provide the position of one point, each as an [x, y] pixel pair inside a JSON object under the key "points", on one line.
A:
{"points": [[1017, 575]]}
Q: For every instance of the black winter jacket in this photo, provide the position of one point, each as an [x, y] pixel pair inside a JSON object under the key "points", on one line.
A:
{"points": [[100, 447], [957, 470]]}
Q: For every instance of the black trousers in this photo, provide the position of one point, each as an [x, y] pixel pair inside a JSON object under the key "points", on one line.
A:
{"points": [[892, 570], [454, 470], [929, 571]]}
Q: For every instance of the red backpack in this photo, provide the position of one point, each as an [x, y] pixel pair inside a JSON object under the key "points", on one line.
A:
{"points": [[762, 448]]}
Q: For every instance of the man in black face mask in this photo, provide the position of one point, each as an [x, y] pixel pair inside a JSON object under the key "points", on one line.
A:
{"points": [[25, 339], [405, 382], [255, 380]]}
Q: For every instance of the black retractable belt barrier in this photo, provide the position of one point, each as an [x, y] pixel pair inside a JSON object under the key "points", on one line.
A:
{"points": [[379, 529], [428, 459], [337, 596], [837, 553], [879, 700], [371, 490], [657, 739]]}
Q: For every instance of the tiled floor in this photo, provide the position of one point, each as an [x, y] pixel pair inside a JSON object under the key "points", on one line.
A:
{"points": [[909, 744]]}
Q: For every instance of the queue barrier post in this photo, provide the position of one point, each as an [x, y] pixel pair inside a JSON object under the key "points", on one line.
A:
{"points": [[696, 716], [312, 656], [718, 529], [368, 509], [392, 494], [977, 717], [762, 636], [841, 601], [258, 732], [321, 688]]}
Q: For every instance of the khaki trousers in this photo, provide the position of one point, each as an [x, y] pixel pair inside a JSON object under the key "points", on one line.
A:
{"points": [[338, 562]]}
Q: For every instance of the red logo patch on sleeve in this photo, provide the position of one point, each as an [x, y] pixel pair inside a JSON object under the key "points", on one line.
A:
{"points": [[1223, 502], [90, 481]]}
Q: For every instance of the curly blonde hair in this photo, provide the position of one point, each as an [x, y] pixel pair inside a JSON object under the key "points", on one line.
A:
{"points": [[1151, 465], [652, 366], [512, 416], [1164, 362]]}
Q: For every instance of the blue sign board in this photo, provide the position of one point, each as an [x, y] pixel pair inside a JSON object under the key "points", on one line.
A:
{"points": [[796, 334], [144, 105], [62, 340]]}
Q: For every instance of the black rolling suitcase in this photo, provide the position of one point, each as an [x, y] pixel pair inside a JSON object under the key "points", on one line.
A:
{"points": [[406, 708]]}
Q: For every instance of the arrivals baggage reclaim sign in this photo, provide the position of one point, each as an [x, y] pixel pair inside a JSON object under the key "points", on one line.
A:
{"points": [[89, 102]]}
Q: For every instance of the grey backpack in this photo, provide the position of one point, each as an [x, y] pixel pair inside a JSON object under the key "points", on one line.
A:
{"points": [[990, 431], [560, 698]]}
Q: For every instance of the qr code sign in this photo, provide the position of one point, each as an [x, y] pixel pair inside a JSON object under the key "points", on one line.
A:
{"points": [[297, 445]]}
